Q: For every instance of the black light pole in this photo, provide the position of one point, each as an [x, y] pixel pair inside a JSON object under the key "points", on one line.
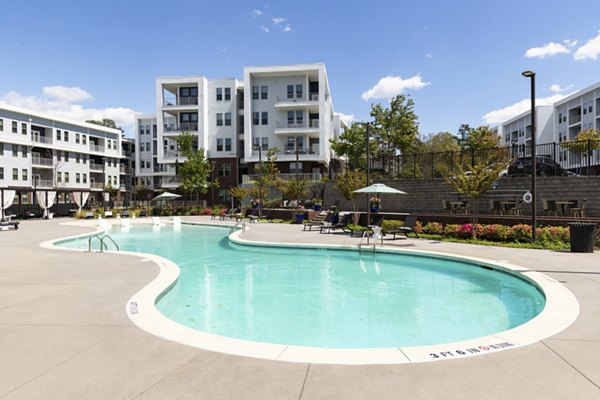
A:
{"points": [[368, 173], [297, 176], [260, 200], [531, 76]]}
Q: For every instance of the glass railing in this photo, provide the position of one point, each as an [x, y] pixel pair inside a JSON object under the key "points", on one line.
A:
{"points": [[181, 127], [181, 101], [45, 162], [313, 177]]}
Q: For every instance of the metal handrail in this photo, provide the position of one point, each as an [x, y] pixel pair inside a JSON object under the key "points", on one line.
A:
{"points": [[240, 222], [102, 244]]}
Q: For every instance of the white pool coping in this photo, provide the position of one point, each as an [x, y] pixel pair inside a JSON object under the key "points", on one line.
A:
{"points": [[560, 311]]}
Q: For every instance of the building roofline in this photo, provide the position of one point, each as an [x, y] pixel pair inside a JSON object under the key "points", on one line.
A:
{"points": [[82, 124], [577, 94], [523, 114]]}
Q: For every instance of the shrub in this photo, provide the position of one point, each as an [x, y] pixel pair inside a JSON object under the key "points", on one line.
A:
{"points": [[519, 233], [418, 227], [433, 228], [451, 230], [494, 232], [391, 224], [206, 211], [553, 234]]}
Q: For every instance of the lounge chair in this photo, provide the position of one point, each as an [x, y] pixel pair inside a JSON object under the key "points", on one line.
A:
{"points": [[318, 222], [89, 215], [108, 214], [142, 213], [253, 216], [408, 227], [342, 224], [365, 229], [125, 214], [6, 225]]}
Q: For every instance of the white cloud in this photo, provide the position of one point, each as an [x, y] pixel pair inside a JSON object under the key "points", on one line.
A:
{"points": [[548, 50], [277, 20], [68, 94], [429, 55], [58, 103], [288, 28], [257, 13], [347, 118], [570, 43], [506, 113], [590, 50], [264, 29], [391, 86], [557, 89]]}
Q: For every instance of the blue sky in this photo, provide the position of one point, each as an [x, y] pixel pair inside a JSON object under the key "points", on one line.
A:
{"points": [[460, 61]]}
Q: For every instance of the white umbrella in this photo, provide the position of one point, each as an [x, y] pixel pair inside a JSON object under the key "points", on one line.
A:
{"points": [[166, 196], [379, 188]]}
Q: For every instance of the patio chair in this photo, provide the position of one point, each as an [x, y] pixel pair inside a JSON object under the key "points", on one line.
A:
{"points": [[578, 211], [143, 213], [253, 216], [342, 224], [447, 206], [408, 227], [365, 229], [550, 207], [319, 221]]}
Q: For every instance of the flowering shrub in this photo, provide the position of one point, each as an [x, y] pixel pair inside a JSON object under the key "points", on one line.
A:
{"points": [[553, 233], [433, 228], [451, 230], [519, 233], [494, 232], [419, 227], [206, 211]]}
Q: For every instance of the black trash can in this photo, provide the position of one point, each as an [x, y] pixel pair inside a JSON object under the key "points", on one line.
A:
{"points": [[582, 237]]}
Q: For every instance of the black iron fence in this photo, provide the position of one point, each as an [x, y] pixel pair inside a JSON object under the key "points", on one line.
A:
{"points": [[553, 159]]}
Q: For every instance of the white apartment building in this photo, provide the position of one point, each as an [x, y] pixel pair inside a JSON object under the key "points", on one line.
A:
{"points": [[288, 108], [43, 153], [555, 124]]}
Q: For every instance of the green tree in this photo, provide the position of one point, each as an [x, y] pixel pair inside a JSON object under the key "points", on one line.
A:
{"points": [[292, 188], [348, 182], [395, 128], [473, 182], [352, 145], [463, 131], [196, 170], [482, 144], [269, 177], [584, 143]]}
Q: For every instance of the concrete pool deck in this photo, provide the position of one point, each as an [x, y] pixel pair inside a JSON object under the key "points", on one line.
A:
{"points": [[65, 334]]}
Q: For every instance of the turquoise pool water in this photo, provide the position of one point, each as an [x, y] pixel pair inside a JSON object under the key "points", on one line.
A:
{"points": [[328, 298]]}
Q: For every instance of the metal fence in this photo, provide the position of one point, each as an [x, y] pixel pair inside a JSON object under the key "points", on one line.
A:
{"points": [[567, 158]]}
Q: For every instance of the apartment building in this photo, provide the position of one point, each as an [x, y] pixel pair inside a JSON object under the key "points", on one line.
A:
{"points": [[286, 109], [43, 153]]}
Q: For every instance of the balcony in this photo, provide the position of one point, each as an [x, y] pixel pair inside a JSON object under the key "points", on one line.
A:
{"points": [[37, 138], [288, 127], [96, 148], [43, 184], [38, 161], [190, 127], [180, 101], [574, 119], [122, 169], [170, 181], [312, 177], [96, 167], [304, 153], [97, 185], [172, 154], [311, 100]]}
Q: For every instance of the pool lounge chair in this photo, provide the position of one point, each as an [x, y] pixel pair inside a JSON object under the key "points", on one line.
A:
{"points": [[408, 227], [365, 229], [108, 214], [143, 213], [6, 225], [125, 214], [318, 222], [89, 215], [342, 225]]}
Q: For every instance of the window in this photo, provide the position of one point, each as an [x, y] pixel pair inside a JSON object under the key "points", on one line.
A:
{"points": [[225, 169], [255, 142], [109, 181], [15, 174], [264, 120], [77, 136], [1, 149], [58, 153], [224, 196], [299, 117], [77, 159], [219, 94], [265, 143], [109, 144], [219, 119], [14, 127], [2, 173], [59, 177], [264, 94], [15, 150], [255, 118], [584, 108], [84, 178], [228, 144], [24, 151], [298, 91], [290, 118], [290, 91], [66, 156], [66, 136], [293, 167], [227, 94], [219, 144], [78, 178], [254, 92], [23, 128], [83, 139], [66, 177], [227, 119], [24, 174], [58, 134], [1, 124]]}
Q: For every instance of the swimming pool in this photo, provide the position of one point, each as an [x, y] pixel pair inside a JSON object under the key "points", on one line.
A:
{"points": [[329, 298]]}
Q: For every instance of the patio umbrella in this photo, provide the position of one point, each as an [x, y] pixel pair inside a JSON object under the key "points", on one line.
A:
{"points": [[379, 188], [166, 196]]}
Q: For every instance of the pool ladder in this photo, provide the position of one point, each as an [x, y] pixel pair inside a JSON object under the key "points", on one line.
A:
{"points": [[103, 245], [239, 223]]}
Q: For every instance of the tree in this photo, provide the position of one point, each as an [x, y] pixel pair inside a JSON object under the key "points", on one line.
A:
{"points": [[395, 128], [352, 145], [195, 171], [269, 177], [438, 143], [473, 182], [348, 182], [482, 143], [292, 188], [239, 193], [463, 131], [584, 144]]}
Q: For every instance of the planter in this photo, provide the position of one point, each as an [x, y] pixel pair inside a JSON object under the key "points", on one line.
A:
{"points": [[317, 207], [299, 218], [375, 209]]}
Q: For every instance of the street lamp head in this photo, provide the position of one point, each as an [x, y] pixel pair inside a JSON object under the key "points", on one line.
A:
{"points": [[528, 74]]}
